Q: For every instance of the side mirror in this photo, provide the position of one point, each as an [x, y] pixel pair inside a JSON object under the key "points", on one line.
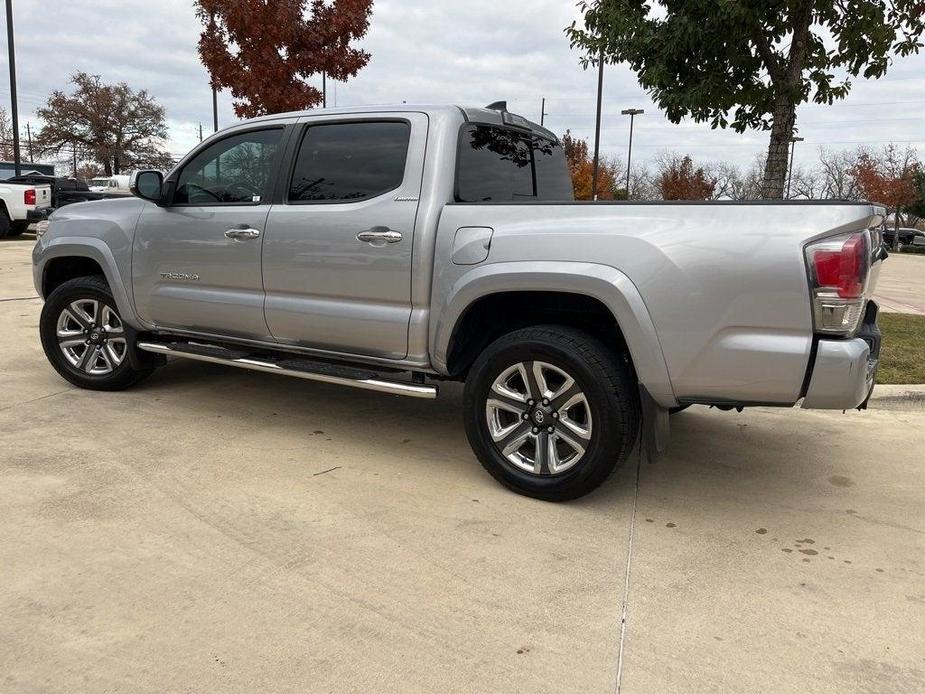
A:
{"points": [[148, 185]]}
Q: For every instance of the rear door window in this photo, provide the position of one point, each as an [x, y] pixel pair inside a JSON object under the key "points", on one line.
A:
{"points": [[347, 162]]}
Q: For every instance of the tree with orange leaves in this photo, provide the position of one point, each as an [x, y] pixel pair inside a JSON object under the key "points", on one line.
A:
{"points": [[679, 180], [581, 168], [265, 50], [888, 179]]}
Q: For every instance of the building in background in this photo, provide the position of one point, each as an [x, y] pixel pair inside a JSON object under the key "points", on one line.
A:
{"points": [[8, 169]]}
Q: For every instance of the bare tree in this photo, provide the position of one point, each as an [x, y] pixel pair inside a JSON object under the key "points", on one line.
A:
{"points": [[807, 183], [6, 136], [726, 177], [835, 171]]}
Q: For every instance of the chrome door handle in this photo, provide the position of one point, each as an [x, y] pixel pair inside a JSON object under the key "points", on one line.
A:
{"points": [[246, 233], [379, 236]]}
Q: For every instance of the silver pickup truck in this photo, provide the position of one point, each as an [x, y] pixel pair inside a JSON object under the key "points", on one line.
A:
{"points": [[394, 248]]}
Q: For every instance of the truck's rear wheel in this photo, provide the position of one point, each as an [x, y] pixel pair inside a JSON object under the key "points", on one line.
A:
{"points": [[18, 228], [84, 337], [551, 411], [5, 224]]}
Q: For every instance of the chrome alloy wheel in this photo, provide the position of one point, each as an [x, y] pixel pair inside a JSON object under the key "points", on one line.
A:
{"points": [[538, 418], [91, 336]]}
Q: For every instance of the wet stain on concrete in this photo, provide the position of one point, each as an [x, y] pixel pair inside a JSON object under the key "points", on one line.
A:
{"points": [[806, 541], [762, 531], [649, 520], [841, 481], [786, 549], [670, 525], [810, 552]]}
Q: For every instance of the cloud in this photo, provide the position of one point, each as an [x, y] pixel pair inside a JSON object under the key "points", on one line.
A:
{"points": [[432, 52]]}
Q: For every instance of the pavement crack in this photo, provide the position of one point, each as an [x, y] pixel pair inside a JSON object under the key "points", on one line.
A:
{"points": [[41, 397], [626, 577], [20, 298]]}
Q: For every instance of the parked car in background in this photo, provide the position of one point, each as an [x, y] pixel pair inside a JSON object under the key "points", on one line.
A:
{"points": [[392, 248], [64, 190], [907, 236], [22, 204], [111, 184]]}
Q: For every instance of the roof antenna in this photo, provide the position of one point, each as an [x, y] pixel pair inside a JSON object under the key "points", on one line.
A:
{"points": [[497, 106]]}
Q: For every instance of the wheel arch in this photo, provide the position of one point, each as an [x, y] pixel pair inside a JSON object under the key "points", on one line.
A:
{"points": [[63, 260], [580, 293]]}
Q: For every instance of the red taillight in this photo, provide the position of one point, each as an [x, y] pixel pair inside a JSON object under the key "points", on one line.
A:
{"points": [[28, 196], [843, 269]]}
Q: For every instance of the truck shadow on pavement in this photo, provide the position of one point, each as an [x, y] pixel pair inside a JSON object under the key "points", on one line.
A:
{"points": [[718, 456]]}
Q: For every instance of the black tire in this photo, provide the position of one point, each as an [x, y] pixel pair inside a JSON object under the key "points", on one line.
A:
{"points": [[18, 228], [93, 288], [606, 380], [5, 224]]}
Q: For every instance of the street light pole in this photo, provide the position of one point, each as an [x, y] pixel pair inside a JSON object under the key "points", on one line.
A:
{"points": [[597, 123], [793, 142], [14, 107], [543, 113], [214, 109], [632, 113]]}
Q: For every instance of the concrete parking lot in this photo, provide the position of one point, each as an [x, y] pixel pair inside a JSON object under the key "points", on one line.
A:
{"points": [[901, 285], [219, 530]]}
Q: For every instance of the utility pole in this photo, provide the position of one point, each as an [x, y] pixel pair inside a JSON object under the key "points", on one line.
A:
{"points": [[74, 152], [543, 113], [17, 168], [29, 136], [632, 113], [200, 131], [597, 124], [214, 109], [793, 142], [324, 89]]}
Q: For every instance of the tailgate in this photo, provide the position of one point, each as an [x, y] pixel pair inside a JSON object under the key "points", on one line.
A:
{"points": [[42, 197]]}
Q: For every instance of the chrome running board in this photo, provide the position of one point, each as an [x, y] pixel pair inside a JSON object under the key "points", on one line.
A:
{"points": [[291, 366]]}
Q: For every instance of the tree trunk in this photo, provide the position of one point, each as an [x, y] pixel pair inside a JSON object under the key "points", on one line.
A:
{"points": [[775, 168], [896, 230], [107, 168]]}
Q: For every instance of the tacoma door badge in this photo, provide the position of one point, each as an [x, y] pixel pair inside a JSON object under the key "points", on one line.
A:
{"points": [[180, 276]]}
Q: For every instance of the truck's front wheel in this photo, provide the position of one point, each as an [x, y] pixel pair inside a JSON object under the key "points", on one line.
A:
{"points": [[84, 337], [551, 411]]}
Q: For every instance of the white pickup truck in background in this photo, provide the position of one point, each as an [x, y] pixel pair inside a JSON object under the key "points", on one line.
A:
{"points": [[22, 204]]}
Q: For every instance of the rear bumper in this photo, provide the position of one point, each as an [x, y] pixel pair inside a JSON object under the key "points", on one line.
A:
{"points": [[844, 370], [38, 215]]}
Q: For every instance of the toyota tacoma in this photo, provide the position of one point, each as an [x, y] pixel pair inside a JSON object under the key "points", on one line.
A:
{"points": [[395, 248]]}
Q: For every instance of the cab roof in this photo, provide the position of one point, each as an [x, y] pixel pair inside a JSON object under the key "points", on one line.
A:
{"points": [[490, 116]]}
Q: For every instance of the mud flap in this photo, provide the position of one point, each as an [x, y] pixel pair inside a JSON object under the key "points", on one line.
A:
{"points": [[655, 429], [138, 359]]}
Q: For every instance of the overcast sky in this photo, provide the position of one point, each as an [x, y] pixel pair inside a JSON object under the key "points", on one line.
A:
{"points": [[431, 52]]}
